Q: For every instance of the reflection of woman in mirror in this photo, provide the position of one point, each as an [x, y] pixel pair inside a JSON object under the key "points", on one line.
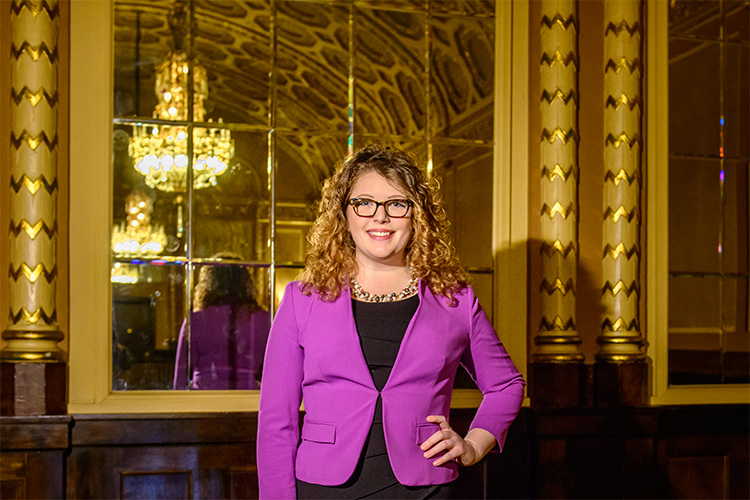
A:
{"points": [[371, 338], [228, 331]]}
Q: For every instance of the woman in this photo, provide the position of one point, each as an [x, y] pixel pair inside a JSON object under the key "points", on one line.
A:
{"points": [[371, 338], [228, 330]]}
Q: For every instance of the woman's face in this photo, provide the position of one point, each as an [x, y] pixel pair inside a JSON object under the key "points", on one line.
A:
{"points": [[380, 239]]}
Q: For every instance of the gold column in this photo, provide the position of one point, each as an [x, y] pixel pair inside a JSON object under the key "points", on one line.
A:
{"points": [[620, 338], [558, 338], [32, 333]]}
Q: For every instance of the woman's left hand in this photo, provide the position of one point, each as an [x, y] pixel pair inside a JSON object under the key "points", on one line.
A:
{"points": [[464, 451]]}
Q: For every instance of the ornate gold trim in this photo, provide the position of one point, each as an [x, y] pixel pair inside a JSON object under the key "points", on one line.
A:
{"points": [[33, 274], [33, 185], [34, 97], [32, 317], [550, 97], [621, 286], [559, 171], [558, 208], [620, 324], [623, 138], [558, 247], [557, 324], [622, 175], [559, 134], [623, 100], [621, 212], [560, 21], [620, 249], [557, 285], [33, 230], [32, 141], [35, 52], [623, 63], [557, 57], [623, 26], [35, 8]]}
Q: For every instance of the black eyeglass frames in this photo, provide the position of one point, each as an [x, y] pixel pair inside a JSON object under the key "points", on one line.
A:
{"points": [[365, 207]]}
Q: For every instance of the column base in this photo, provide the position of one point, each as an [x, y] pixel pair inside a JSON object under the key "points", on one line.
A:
{"points": [[32, 389], [620, 384], [557, 385]]}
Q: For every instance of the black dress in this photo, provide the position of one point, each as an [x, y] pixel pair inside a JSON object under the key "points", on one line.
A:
{"points": [[381, 327]]}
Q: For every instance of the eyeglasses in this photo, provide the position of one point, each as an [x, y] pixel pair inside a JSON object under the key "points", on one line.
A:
{"points": [[365, 207]]}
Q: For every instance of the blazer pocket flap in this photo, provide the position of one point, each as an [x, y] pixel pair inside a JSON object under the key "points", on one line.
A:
{"points": [[319, 432], [424, 431]]}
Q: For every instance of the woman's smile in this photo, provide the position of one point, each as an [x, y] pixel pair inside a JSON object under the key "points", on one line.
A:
{"points": [[379, 239]]}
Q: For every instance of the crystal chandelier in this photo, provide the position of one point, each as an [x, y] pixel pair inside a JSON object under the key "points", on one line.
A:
{"points": [[136, 237], [160, 152]]}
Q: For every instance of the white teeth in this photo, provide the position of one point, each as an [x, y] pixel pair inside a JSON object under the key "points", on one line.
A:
{"points": [[379, 233]]}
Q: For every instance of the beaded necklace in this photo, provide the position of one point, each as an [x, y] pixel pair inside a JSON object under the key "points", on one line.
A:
{"points": [[409, 290]]}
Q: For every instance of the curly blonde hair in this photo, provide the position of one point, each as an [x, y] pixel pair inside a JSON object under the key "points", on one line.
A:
{"points": [[225, 285], [331, 261]]}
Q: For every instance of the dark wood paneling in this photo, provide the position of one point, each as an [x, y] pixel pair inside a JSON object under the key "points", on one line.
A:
{"points": [[163, 456], [681, 452], [32, 457]]}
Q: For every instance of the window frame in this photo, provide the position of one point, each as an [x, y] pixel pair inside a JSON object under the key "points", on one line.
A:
{"points": [[657, 248], [91, 118]]}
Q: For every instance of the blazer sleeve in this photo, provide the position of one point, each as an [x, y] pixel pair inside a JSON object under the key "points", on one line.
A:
{"points": [[280, 399], [489, 364], [180, 366]]}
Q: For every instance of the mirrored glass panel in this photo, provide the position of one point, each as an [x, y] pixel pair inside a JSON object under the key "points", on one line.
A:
{"points": [[709, 192], [312, 36], [222, 343], [465, 174], [148, 309], [225, 213], [462, 82], [229, 116], [389, 71]]}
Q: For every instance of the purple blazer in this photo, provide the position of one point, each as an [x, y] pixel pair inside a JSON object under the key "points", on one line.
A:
{"points": [[314, 353], [216, 358]]}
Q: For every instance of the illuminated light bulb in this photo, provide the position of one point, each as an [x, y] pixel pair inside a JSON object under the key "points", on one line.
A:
{"points": [[181, 160], [167, 96], [166, 161], [140, 216], [172, 111], [181, 135], [142, 204]]}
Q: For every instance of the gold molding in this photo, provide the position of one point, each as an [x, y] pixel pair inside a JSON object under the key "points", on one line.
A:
{"points": [[557, 57], [621, 212], [558, 247], [559, 171], [33, 185], [620, 249], [34, 52], [31, 317], [557, 285], [557, 324], [33, 274], [560, 21], [34, 97], [621, 286], [33, 229], [16, 7], [32, 141], [623, 63], [559, 209]]}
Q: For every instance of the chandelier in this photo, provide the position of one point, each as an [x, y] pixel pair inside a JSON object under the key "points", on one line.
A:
{"points": [[160, 152], [136, 237]]}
